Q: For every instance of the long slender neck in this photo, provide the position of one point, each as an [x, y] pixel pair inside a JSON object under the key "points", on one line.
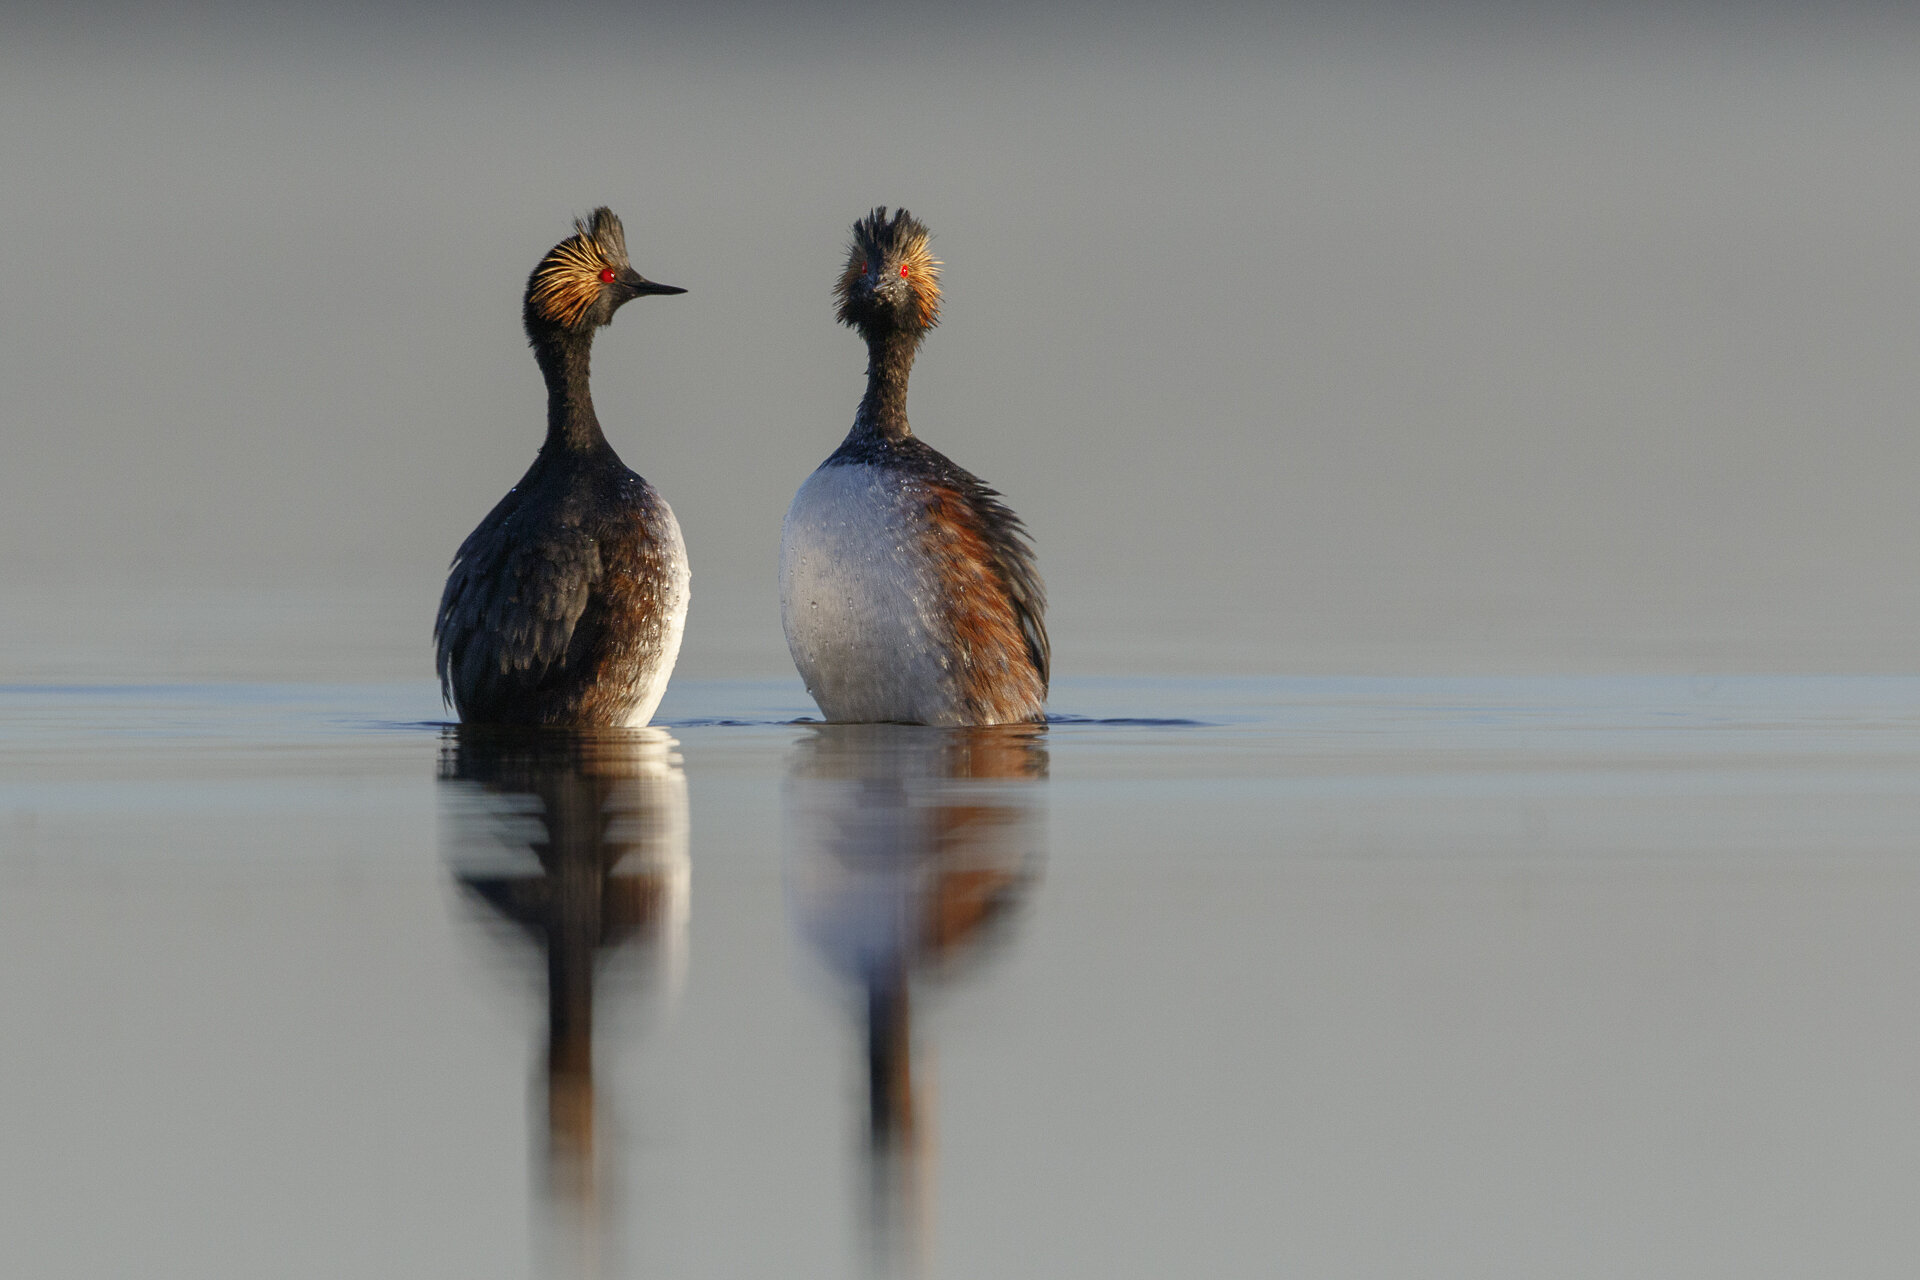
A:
{"points": [[883, 410], [564, 360]]}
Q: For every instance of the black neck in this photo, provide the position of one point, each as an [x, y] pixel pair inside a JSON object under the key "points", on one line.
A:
{"points": [[565, 356], [883, 410]]}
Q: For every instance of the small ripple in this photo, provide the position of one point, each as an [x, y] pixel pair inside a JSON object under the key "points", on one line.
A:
{"points": [[734, 722], [1148, 722]]}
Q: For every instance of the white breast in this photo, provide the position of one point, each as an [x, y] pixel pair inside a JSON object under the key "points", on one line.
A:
{"points": [[653, 685], [860, 603]]}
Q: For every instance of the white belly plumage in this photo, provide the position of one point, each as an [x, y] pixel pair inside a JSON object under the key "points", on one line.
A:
{"points": [[653, 686], [861, 603]]}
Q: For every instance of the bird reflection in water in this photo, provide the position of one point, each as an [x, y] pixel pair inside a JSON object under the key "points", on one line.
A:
{"points": [[580, 839], [906, 847]]}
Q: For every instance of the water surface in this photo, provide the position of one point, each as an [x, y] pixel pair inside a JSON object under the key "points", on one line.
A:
{"points": [[1480, 977]]}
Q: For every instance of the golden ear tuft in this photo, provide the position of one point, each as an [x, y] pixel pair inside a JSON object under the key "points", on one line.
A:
{"points": [[892, 244], [566, 284], [923, 274]]}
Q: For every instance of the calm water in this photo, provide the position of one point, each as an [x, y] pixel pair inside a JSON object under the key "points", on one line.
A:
{"points": [[1219, 978]]}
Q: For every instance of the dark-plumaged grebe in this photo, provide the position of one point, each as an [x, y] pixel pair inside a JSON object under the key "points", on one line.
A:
{"points": [[907, 588], [566, 605]]}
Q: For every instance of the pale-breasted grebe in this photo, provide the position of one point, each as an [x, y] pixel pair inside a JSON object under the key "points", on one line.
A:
{"points": [[907, 588], [566, 605]]}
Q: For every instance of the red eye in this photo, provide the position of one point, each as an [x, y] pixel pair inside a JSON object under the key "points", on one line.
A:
{"points": [[606, 275], [903, 271], [863, 266]]}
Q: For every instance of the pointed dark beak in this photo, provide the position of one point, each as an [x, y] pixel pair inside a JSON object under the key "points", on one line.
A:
{"points": [[639, 286]]}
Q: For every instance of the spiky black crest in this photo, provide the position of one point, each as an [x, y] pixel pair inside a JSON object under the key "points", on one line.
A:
{"points": [[879, 248], [884, 236], [565, 286]]}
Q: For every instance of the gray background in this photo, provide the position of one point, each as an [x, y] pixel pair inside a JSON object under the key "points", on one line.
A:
{"points": [[1490, 338]]}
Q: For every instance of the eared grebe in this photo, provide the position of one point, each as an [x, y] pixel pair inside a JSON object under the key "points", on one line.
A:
{"points": [[907, 588], [565, 606]]}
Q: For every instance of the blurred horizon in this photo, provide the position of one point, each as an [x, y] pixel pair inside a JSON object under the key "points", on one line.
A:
{"points": [[1471, 339]]}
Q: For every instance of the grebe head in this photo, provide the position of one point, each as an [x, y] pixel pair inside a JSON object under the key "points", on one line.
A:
{"points": [[584, 279], [891, 281]]}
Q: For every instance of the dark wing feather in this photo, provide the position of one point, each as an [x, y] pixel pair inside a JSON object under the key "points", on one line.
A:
{"points": [[1006, 539], [1001, 530], [510, 610]]}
